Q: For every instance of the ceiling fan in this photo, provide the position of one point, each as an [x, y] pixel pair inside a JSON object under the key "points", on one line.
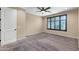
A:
{"points": [[43, 9]]}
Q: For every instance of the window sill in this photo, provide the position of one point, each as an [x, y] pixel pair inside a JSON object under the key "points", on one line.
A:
{"points": [[57, 30]]}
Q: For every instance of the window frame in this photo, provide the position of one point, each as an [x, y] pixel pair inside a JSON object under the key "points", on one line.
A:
{"points": [[59, 23], [47, 24]]}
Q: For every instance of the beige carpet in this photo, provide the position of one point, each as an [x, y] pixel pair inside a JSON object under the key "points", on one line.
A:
{"points": [[43, 42]]}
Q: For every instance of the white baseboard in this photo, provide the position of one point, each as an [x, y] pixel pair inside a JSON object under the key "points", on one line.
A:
{"points": [[33, 33]]}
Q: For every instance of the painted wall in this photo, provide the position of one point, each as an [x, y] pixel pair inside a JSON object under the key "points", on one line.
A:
{"points": [[78, 27], [27, 24], [72, 24]]}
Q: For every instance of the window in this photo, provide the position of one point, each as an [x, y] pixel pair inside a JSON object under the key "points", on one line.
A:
{"points": [[52, 23], [48, 23], [57, 23], [63, 22]]}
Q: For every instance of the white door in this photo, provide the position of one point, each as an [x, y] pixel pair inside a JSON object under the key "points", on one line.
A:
{"points": [[9, 17]]}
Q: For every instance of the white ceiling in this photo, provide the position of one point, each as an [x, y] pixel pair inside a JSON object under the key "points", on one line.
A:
{"points": [[33, 10]]}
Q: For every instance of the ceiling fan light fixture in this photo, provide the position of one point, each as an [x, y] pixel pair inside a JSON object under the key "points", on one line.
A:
{"points": [[43, 12], [43, 9]]}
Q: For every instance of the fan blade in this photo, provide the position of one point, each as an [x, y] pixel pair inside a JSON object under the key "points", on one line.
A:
{"points": [[42, 8], [39, 8], [47, 8]]}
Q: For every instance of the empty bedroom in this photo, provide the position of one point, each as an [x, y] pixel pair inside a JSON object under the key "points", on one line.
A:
{"points": [[39, 29]]}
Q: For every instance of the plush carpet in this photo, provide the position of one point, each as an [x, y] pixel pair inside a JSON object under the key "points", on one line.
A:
{"points": [[43, 42]]}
